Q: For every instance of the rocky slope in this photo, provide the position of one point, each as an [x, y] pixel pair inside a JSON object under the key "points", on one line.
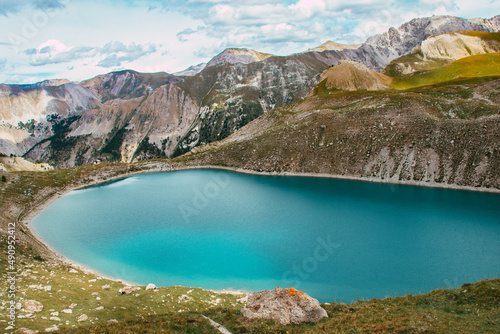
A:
{"points": [[444, 135]]}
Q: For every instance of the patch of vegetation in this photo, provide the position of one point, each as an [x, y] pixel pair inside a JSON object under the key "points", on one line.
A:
{"points": [[113, 145], [29, 126], [491, 36], [147, 150]]}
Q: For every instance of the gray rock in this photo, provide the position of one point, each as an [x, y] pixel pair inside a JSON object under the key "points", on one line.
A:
{"points": [[82, 318], [52, 329], [33, 306], [127, 290], [287, 306], [25, 331]]}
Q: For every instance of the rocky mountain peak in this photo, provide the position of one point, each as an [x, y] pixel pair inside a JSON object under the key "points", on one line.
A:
{"points": [[127, 84], [332, 46], [396, 42], [191, 70], [234, 55]]}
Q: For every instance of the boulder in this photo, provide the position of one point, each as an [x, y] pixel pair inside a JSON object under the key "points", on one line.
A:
{"points": [[32, 306], [83, 317], [151, 286], [126, 290], [287, 306], [25, 331], [54, 328]]}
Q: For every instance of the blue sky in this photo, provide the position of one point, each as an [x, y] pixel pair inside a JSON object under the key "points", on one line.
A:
{"points": [[78, 39]]}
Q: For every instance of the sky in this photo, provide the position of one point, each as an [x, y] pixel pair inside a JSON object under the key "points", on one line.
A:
{"points": [[79, 39]]}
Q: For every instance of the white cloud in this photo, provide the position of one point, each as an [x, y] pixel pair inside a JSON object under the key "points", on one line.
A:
{"points": [[308, 8], [13, 6], [113, 54], [80, 39]]}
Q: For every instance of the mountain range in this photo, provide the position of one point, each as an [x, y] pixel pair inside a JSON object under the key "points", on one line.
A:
{"points": [[129, 116]]}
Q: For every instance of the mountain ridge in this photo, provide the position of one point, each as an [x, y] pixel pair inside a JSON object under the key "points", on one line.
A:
{"points": [[128, 116]]}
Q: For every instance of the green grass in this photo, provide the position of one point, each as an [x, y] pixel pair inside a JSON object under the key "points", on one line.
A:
{"points": [[484, 65], [473, 308], [487, 36]]}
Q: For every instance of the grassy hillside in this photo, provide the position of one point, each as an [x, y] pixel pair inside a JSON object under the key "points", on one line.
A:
{"points": [[485, 65]]}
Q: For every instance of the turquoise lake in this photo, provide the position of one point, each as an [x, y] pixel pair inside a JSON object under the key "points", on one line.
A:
{"points": [[338, 240]]}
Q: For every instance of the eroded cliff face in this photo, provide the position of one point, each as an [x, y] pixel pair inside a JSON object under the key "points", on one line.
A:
{"points": [[27, 113]]}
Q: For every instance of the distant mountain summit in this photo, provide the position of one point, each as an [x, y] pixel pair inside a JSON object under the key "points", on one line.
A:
{"points": [[191, 70], [332, 46], [379, 50], [233, 56], [127, 84]]}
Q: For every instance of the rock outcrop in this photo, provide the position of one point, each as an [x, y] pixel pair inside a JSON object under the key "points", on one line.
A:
{"points": [[287, 306], [128, 289]]}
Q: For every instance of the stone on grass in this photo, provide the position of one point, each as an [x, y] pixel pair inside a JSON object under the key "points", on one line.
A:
{"points": [[106, 287], [33, 306], [67, 311], [151, 286], [83, 317], [23, 330], [287, 306], [128, 289], [52, 329]]}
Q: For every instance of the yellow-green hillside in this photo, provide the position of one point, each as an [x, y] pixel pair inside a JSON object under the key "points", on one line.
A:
{"points": [[484, 65]]}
